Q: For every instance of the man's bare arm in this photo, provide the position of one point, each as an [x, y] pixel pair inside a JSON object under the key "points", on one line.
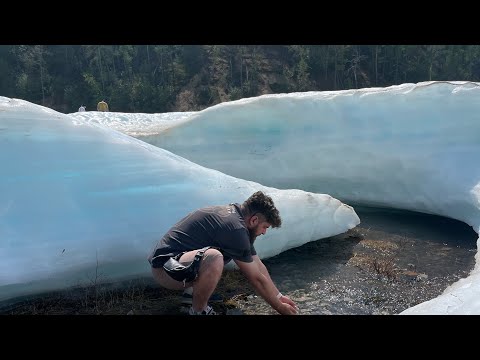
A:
{"points": [[258, 276]]}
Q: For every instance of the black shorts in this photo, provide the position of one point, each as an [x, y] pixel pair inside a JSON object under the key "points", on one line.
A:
{"points": [[184, 272]]}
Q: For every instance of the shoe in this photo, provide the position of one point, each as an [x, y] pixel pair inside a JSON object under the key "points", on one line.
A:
{"points": [[207, 311], [187, 298]]}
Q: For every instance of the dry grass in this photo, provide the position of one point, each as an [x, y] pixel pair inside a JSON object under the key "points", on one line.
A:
{"points": [[380, 245], [381, 265], [385, 267], [135, 297], [378, 255]]}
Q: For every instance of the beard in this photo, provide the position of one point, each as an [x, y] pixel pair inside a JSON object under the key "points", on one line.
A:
{"points": [[252, 232]]}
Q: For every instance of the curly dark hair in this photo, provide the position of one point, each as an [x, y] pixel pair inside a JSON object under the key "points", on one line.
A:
{"points": [[259, 202]]}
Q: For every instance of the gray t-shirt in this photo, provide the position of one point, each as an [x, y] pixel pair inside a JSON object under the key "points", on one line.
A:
{"points": [[219, 226]]}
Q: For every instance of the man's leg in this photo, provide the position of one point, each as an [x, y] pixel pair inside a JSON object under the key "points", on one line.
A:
{"points": [[187, 297], [209, 274], [163, 279]]}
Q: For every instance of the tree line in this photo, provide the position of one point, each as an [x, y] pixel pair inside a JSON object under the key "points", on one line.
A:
{"points": [[165, 78]]}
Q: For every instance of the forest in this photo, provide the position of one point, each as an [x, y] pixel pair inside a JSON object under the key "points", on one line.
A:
{"points": [[168, 78]]}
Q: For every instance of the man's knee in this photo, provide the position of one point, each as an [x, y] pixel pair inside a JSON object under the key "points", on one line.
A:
{"points": [[212, 252], [213, 256]]}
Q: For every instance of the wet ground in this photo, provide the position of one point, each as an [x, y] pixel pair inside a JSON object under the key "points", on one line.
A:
{"points": [[393, 260]]}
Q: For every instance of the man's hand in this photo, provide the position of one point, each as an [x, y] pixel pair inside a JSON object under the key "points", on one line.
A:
{"points": [[258, 276], [289, 307]]}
